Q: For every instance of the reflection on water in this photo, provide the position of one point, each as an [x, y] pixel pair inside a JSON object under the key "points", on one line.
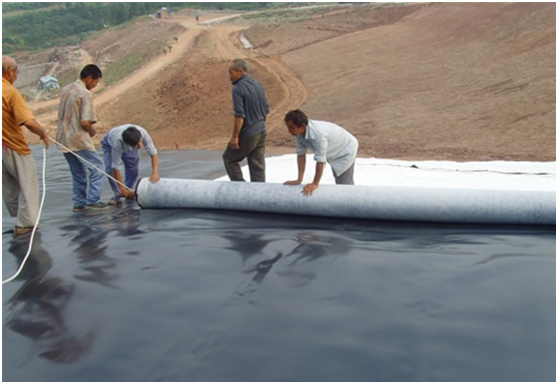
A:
{"points": [[88, 242], [263, 267], [246, 244], [311, 246], [36, 310], [190, 295]]}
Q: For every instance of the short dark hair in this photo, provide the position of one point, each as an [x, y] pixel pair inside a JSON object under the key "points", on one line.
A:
{"points": [[131, 136], [297, 117], [91, 70]]}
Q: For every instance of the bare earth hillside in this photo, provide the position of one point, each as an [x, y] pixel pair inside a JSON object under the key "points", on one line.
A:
{"points": [[456, 81]]}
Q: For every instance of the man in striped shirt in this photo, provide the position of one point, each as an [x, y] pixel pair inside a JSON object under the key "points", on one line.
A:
{"points": [[76, 127]]}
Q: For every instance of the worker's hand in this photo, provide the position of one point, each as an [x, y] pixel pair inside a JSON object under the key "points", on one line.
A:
{"points": [[233, 143], [46, 141], [92, 132], [128, 194], [309, 189], [154, 178], [292, 182]]}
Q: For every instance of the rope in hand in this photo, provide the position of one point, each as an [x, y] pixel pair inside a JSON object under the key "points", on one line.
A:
{"points": [[43, 200], [92, 165]]}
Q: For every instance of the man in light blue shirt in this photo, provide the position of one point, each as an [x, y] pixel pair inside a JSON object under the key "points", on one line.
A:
{"points": [[121, 147], [329, 142]]}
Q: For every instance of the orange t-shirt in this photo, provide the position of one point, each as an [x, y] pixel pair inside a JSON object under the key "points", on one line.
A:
{"points": [[14, 114]]}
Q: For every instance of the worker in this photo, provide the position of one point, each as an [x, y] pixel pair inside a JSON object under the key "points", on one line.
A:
{"points": [[249, 126], [329, 142], [76, 128], [121, 147], [20, 185]]}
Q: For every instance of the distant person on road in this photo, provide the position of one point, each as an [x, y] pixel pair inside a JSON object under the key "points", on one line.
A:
{"points": [[76, 119], [329, 142], [121, 147], [20, 186], [249, 132]]}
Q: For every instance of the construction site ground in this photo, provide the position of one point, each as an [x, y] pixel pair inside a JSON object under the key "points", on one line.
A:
{"points": [[440, 81]]}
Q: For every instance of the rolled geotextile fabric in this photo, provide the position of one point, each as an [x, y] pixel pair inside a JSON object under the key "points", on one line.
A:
{"points": [[355, 201]]}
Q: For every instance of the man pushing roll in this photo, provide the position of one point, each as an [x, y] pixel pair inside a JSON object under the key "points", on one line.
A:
{"points": [[329, 142], [121, 149]]}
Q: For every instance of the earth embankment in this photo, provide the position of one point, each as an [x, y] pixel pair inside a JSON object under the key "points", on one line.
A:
{"points": [[456, 81]]}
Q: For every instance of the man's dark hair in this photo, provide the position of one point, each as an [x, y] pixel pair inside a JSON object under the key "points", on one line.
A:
{"points": [[91, 70], [131, 136], [297, 117]]}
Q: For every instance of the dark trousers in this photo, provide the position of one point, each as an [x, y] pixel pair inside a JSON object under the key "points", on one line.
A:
{"points": [[251, 148], [347, 176]]}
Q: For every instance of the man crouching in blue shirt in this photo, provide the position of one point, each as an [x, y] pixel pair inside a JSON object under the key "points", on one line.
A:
{"points": [[329, 142], [121, 146]]}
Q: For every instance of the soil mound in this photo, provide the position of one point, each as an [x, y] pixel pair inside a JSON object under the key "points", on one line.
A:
{"points": [[455, 81]]}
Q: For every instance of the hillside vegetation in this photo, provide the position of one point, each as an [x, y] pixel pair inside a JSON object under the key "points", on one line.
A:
{"points": [[36, 26]]}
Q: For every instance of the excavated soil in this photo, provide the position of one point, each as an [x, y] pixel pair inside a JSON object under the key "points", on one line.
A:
{"points": [[441, 81]]}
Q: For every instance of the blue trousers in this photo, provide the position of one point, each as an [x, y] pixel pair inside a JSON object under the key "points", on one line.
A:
{"points": [[131, 168], [88, 182]]}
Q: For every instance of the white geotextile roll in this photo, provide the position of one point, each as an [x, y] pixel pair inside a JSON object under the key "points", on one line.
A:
{"points": [[355, 201]]}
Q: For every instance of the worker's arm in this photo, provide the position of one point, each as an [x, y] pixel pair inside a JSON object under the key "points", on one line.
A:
{"points": [[310, 188], [155, 169], [124, 191], [34, 126], [88, 127], [301, 163], [238, 122]]}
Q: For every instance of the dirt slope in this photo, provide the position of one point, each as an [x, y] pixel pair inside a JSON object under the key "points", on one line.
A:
{"points": [[460, 81]]}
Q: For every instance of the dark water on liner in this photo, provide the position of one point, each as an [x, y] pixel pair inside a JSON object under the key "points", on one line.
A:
{"points": [[189, 295]]}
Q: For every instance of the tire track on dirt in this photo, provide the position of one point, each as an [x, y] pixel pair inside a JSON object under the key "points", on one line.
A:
{"points": [[293, 91]]}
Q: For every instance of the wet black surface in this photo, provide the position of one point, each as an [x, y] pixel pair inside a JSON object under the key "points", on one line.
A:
{"points": [[190, 295]]}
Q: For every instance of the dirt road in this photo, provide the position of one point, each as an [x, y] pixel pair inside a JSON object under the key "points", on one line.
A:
{"points": [[410, 82], [292, 91], [112, 93]]}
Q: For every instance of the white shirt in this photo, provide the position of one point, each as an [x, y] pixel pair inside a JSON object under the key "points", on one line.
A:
{"points": [[330, 143], [113, 139]]}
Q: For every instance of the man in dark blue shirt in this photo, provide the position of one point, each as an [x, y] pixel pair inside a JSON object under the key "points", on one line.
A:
{"points": [[249, 132]]}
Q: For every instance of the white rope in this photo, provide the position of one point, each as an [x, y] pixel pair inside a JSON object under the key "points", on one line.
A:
{"points": [[93, 165], [43, 200], [36, 223]]}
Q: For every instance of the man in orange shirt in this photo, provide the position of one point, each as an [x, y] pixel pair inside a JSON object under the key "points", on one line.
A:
{"points": [[20, 186]]}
